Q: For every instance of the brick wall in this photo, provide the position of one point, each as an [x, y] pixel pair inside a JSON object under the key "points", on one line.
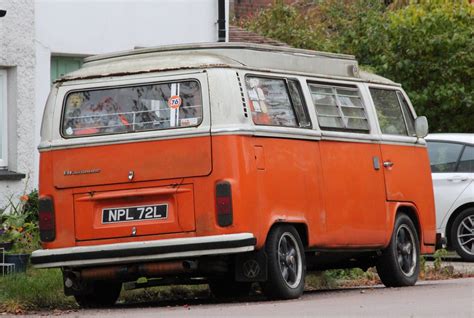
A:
{"points": [[245, 8]]}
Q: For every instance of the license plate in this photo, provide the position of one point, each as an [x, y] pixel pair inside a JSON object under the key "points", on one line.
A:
{"points": [[135, 213]]}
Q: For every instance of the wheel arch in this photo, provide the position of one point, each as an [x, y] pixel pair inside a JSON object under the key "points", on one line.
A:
{"points": [[452, 217], [412, 213], [300, 226]]}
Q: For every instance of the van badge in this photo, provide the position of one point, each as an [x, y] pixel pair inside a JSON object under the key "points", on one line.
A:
{"points": [[78, 172], [131, 174], [251, 268]]}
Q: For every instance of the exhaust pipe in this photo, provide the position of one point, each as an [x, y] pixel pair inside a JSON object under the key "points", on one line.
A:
{"points": [[127, 272]]}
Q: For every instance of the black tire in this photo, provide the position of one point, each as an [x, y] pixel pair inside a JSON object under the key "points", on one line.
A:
{"points": [[462, 234], [102, 294], [286, 264], [229, 288], [399, 264]]}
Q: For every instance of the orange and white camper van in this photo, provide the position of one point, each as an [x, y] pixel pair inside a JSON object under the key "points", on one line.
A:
{"points": [[230, 164]]}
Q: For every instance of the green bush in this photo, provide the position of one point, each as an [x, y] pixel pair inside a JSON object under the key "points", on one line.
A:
{"points": [[427, 46], [19, 223]]}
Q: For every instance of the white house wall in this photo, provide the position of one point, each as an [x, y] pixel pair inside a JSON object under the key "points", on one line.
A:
{"points": [[99, 26], [34, 30], [17, 56]]}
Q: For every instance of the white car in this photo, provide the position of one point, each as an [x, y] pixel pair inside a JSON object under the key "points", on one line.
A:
{"points": [[452, 168]]}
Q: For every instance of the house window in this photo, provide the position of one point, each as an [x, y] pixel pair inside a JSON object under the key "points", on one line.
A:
{"points": [[3, 120], [61, 65]]}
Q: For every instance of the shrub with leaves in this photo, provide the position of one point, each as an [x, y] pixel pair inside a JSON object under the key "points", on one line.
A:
{"points": [[19, 223], [427, 46]]}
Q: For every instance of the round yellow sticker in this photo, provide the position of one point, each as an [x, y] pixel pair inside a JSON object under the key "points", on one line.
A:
{"points": [[174, 102]]}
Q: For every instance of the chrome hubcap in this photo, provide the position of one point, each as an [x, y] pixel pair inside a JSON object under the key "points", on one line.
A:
{"points": [[465, 234], [406, 251], [289, 259]]}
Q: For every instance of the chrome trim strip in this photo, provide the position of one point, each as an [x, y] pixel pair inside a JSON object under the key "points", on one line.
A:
{"points": [[113, 139], [145, 244], [272, 132]]}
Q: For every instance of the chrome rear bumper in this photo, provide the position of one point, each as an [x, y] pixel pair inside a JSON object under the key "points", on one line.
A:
{"points": [[136, 252]]}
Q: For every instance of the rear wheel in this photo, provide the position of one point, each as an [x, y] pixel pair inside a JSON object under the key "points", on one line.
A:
{"points": [[286, 264], [399, 264], [102, 294], [462, 234]]}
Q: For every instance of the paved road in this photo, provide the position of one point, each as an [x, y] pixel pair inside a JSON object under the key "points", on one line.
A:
{"points": [[448, 298]]}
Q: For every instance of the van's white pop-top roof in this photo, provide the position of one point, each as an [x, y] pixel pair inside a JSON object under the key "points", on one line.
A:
{"points": [[230, 55]]}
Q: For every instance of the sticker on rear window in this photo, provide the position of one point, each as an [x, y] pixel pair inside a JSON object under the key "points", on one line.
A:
{"points": [[174, 102]]}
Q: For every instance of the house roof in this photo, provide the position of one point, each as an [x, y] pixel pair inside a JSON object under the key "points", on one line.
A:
{"points": [[237, 34]]}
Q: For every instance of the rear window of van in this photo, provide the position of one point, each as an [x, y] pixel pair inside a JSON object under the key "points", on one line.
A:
{"points": [[132, 109]]}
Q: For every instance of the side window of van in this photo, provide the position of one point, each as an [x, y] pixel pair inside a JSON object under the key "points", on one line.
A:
{"points": [[276, 102], [339, 107], [132, 109], [393, 112]]}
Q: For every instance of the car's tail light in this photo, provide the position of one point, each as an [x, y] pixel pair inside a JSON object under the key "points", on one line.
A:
{"points": [[224, 203], [47, 223]]}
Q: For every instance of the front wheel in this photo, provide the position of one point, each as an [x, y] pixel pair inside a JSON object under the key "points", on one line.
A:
{"points": [[462, 234], [399, 264], [286, 264]]}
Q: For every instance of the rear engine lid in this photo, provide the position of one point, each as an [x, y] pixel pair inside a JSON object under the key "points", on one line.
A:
{"points": [[132, 162]]}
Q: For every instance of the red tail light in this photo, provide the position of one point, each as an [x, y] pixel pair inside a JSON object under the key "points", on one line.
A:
{"points": [[224, 203], [47, 223]]}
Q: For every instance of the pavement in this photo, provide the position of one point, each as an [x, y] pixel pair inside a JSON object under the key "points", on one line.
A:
{"points": [[456, 263], [445, 298]]}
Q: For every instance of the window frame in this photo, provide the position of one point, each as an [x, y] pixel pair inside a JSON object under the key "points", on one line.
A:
{"points": [[460, 156], [464, 145], [4, 119], [73, 91], [400, 102], [392, 137], [335, 85], [285, 79]]}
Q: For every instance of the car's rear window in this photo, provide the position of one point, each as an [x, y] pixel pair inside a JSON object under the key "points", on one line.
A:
{"points": [[132, 109]]}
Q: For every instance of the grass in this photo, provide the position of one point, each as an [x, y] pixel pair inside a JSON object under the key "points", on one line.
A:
{"points": [[34, 290]]}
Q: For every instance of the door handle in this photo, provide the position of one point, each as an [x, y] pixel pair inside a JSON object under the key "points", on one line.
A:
{"points": [[388, 164], [457, 179]]}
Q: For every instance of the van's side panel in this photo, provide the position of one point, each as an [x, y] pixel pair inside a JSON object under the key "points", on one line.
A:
{"points": [[353, 188], [64, 213], [273, 180], [409, 180]]}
